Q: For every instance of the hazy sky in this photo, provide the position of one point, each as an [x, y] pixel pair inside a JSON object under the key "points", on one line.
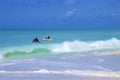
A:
{"points": [[59, 13]]}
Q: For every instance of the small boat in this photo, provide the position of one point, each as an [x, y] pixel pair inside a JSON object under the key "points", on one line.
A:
{"points": [[46, 39]]}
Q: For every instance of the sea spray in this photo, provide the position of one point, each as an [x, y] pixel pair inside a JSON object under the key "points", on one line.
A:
{"points": [[82, 46]]}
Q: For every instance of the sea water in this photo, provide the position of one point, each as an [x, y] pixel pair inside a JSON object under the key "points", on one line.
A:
{"points": [[71, 54]]}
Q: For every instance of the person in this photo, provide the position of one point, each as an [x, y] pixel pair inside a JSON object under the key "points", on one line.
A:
{"points": [[36, 40], [48, 37]]}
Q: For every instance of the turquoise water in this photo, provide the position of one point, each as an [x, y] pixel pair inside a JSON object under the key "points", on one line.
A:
{"points": [[71, 40], [22, 37], [71, 50], [79, 41]]}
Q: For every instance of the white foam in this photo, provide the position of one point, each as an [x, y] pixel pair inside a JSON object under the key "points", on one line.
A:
{"points": [[69, 72], [71, 46], [81, 46]]}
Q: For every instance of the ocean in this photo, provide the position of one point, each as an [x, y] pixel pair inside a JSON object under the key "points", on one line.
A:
{"points": [[72, 54]]}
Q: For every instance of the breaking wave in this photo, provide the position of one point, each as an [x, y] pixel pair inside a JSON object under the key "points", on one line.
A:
{"points": [[76, 46], [81, 46]]}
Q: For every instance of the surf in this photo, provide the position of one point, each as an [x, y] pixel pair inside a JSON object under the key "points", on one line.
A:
{"points": [[71, 47], [87, 73], [22, 54]]}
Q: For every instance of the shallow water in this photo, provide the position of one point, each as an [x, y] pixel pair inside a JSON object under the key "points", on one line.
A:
{"points": [[71, 52]]}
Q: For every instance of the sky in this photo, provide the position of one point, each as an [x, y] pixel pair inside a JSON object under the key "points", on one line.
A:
{"points": [[59, 14]]}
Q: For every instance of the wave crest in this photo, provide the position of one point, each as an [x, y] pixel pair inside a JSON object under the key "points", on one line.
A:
{"points": [[35, 52], [95, 47], [81, 46]]}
